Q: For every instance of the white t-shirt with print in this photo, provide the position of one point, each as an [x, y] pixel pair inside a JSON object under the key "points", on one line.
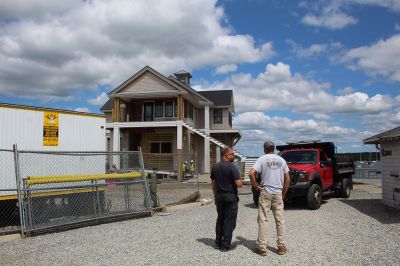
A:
{"points": [[272, 168]]}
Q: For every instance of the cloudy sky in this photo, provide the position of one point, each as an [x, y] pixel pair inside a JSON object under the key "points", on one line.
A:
{"points": [[300, 70]]}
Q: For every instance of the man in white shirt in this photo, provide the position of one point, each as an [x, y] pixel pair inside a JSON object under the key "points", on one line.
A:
{"points": [[273, 187]]}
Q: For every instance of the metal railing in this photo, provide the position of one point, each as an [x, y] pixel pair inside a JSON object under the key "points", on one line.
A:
{"points": [[369, 173]]}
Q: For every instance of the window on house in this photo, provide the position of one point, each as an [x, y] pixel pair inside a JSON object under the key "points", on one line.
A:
{"points": [[190, 111], [217, 116], [175, 109], [155, 147], [230, 119], [159, 109], [166, 147], [160, 147], [169, 109]]}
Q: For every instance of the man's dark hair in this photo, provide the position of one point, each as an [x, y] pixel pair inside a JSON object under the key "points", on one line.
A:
{"points": [[225, 151], [269, 145]]}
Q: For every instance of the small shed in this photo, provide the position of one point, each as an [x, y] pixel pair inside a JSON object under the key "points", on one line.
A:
{"points": [[388, 143]]}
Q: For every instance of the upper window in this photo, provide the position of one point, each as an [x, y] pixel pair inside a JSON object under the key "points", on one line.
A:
{"points": [[217, 116], [169, 108], [159, 109], [190, 111]]}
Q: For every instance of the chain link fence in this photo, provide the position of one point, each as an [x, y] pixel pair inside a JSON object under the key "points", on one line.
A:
{"points": [[170, 188], [61, 190], [9, 221]]}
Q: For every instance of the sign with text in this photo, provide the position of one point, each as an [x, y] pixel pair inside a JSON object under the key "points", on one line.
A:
{"points": [[50, 129]]}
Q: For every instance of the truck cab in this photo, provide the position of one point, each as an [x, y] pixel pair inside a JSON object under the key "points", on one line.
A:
{"points": [[309, 164]]}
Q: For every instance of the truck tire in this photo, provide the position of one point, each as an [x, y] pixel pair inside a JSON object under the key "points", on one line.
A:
{"points": [[346, 188], [314, 197]]}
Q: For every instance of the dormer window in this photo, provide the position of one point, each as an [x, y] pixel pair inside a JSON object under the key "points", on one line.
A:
{"points": [[217, 116]]}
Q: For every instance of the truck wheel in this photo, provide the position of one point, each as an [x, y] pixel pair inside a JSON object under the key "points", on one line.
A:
{"points": [[345, 191], [314, 197]]}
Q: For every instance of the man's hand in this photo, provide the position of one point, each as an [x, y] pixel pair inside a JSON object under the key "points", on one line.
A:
{"points": [[252, 175], [285, 185]]}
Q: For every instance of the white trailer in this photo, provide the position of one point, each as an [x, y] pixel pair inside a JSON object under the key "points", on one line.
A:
{"points": [[26, 126], [43, 129]]}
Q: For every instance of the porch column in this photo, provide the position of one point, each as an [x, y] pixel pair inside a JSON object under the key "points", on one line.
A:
{"points": [[179, 150], [206, 140], [116, 110], [116, 139], [180, 107], [217, 154]]}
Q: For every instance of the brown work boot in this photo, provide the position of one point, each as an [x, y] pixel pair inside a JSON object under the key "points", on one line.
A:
{"points": [[282, 249], [261, 252]]}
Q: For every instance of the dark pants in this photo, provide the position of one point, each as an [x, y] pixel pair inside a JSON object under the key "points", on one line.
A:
{"points": [[227, 208]]}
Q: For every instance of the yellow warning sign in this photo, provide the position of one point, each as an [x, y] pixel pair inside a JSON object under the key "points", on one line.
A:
{"points": [[50, 129]]}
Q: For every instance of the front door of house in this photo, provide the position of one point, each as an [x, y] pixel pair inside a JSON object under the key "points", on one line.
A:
{"points": [[148, 112]]}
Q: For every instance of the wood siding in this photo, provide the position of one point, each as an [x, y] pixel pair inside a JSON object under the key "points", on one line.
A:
{"points": [[225, 120], [162, 161], [391, 174], [148, 83]]}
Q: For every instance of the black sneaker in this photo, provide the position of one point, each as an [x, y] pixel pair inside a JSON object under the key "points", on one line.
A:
{"points": [[226, 249]]}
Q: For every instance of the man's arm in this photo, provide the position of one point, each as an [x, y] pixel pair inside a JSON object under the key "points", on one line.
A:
{"points": [[285, 184], [214, 187], [252, 175], [239, 182]]}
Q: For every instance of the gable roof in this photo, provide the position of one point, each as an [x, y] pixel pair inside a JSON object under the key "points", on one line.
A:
{"points": [[390, 134], [219, 97], [138, 74]]}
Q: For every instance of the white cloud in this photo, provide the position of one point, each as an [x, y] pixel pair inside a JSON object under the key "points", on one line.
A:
{"points": [[376, 59], [79, 45], [396, 27], [226, 69], [99, 100], [312, 50], [333, 21], [320, 116], [334, 15], [346, 91], [277, 88], [390, 4], [256, 127], [82, 109], [35, 9]]}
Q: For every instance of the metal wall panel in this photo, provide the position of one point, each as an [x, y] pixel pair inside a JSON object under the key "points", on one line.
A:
{"points": [[77, 132], [24, 127]]}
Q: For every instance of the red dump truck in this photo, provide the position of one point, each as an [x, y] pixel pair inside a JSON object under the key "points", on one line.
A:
{"points": [[315, 168]]}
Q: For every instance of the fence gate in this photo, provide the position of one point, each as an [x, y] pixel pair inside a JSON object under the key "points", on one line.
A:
{"points": [[60, 190]]}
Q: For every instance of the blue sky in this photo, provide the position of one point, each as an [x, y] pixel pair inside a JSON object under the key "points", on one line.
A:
{"points": [[300, 70]]}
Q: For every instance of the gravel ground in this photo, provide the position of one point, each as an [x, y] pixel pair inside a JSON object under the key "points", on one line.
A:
{"points": [[357, 231]]}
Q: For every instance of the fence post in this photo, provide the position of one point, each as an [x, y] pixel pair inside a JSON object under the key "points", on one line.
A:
{"points": [[18, 183], [153, 189], [147, 199]]}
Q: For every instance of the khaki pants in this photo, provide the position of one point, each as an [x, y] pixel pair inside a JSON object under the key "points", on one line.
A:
{"points": [[268, 202]]}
